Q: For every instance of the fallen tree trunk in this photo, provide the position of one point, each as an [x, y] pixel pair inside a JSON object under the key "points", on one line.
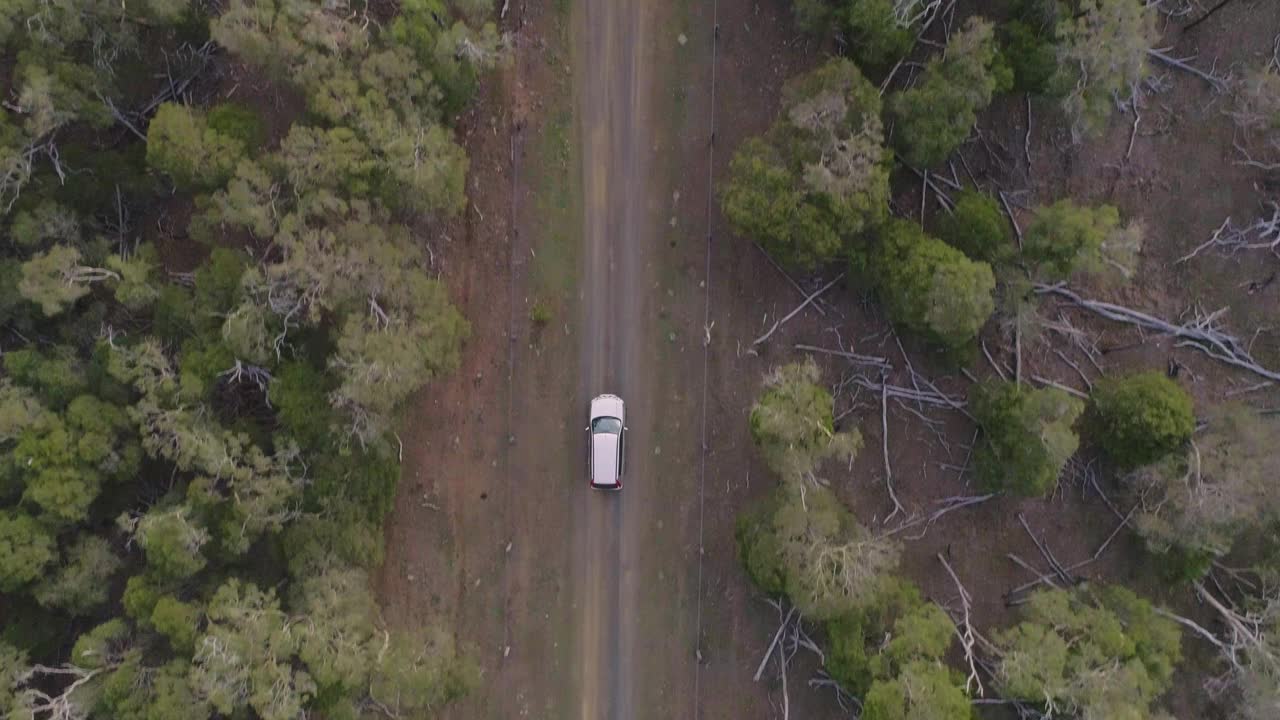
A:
{"points": [[1200, 334]]}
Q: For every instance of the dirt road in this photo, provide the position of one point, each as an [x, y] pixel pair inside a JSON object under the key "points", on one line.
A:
{"points": [[612, 107]]}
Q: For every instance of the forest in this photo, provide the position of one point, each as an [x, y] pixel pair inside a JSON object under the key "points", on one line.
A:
{"points": [[818, 189], [216, 292]]}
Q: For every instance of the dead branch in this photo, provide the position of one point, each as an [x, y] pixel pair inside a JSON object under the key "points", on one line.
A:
{"points": [[1219, 85], [934, 397], [1199, 629], [779, 323], [1026, 139], [944, 200], [1064, 388], [1221, 4], [853, 357], [790, 279], [964, 631], [1201, 333], [999, 370], [1229, 239], [1017, 231], [948, 505], [1047, 554], [773, 644], [1088, 383], [1048, 578], [884, 438]]}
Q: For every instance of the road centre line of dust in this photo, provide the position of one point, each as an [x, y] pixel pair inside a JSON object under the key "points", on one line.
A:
{"points": [[706, 352]]}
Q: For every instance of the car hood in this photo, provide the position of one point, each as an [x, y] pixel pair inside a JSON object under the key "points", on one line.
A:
{"points": [[604, 459]]}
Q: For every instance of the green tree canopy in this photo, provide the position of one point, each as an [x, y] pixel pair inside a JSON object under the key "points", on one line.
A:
{"points": [[83, 581], [1027, 436], [1064, 238], [55, 279], [1101, 53], [932, 118], [422, 670], [26, 548], [177, 621], [978, 229], [243, 659], [1096, 652], [1141, 418], [931, 288], [819, 177], [793, 425], [921, 690], [805, 544], [134, 691], [181, 143]]}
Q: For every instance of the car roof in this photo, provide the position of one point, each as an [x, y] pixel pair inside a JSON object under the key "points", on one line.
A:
{"points": [[608, 406], [604, 459]]}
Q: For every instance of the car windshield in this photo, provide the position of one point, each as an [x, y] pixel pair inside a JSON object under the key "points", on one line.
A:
{"points": [[606, 425]]}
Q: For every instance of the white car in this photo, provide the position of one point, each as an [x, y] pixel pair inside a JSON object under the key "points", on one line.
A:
{"points": [[606, 436]]}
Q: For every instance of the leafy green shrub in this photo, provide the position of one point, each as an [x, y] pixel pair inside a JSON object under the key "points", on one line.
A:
{"points": [[792, 422], [1027, 436], [57, 378], [100, 646], [178, 621], [978, 228], [1065, 237], [890, 651], [876, 38], [919, 689], [805, 544], [1028, 44], [759, 550], [26, 548], [1140, 418], [930, 288], [83, 581], [1101, 650], [299, 394], [935, 116], [181, 143], [141, 593], [238, 122], [819, 178]]}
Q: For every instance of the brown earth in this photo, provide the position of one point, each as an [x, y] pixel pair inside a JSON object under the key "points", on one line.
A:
{"points": [[634, 605]]}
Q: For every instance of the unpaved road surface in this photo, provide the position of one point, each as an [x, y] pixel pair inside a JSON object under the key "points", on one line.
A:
{"points": [[608, 529]]}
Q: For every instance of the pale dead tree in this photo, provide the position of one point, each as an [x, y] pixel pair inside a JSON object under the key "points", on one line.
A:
{"points": [[1173, 9], [965, 632], [35, 702], [1230, 239], [913, 13], [1218, 83], [1249, 643], [1257, 116], [1202, 332], [256, 374], [946, 505], [779, 323]]}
